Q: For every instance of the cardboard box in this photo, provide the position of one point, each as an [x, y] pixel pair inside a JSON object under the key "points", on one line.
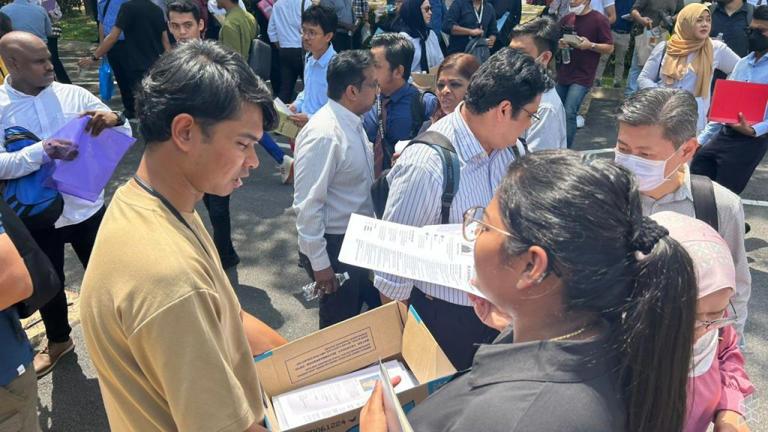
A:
{"points": [[387, 332]]}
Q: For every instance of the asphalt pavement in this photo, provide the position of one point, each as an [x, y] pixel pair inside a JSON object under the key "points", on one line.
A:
{"points": [[264, 235]]}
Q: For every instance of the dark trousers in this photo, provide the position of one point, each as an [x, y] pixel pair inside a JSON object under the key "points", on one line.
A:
{"points": [[126, 76], [457, 329], [342, 41], [275, 74], [291, 68], [58, 67], [348, 300], [730, 159], [51, 241], [218, 211]]}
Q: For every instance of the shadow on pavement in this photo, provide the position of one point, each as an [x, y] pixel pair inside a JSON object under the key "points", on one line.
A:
{"points": [[74, 397]]}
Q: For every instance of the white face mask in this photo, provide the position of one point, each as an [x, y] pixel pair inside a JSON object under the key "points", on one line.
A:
{"points": [[649, 173], [704, 351], [577, 9]]}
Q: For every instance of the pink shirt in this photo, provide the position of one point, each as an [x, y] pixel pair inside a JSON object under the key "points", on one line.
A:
{"points": [[723, 387]]}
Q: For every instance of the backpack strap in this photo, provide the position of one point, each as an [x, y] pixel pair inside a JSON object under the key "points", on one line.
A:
{"points": [[750, 12], [704, 204], [451, 168]]}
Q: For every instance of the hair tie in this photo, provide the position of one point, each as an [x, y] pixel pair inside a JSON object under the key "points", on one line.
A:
{"points": [[647, 234]]}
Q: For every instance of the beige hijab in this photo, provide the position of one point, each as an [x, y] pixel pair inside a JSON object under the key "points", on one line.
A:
{"points": [[684, 42]]}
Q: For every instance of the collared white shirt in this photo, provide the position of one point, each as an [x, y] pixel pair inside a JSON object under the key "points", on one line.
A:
{"points": [[724, 59], [434, 53], [547, 133], [332, 178], [730, 215], [416, 186], [285, 23], [43, 115]]}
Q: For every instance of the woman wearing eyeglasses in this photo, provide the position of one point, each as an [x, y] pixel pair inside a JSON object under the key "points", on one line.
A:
{"points": [[415, 16], [717, 382], [600, 303]]}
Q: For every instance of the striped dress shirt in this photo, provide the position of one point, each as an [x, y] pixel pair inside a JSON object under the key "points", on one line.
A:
{"points": [[415, 188]]}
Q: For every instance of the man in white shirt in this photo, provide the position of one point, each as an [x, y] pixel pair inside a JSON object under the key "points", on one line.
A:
{"points": [[656, 141], [284, 31], [333, 178], [501, 102], [30, 98], [539, 39]]}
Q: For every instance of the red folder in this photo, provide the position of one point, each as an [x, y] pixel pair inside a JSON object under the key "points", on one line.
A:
{"points": [[733, 97]]}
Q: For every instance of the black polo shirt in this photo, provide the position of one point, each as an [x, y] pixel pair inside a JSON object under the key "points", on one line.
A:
{"points": [[535, 386], [733, 28]]}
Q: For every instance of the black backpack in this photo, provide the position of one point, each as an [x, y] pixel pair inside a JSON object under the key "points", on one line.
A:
{"points": [[451, 175], [45, 281], [704, 204]]}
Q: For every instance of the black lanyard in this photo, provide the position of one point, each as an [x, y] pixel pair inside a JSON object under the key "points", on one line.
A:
{"points": [[171, 209]]}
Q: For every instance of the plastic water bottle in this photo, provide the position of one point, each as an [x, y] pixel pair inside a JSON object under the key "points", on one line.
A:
{"points": [[565, 55], [311, 291]]}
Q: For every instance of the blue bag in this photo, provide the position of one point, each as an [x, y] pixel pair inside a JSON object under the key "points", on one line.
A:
{"points": [[38, 206], [106, 83]]}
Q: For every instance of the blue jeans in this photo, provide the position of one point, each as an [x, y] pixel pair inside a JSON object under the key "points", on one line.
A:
{"points": [[272, 148], [634, 74], [572, 95]]}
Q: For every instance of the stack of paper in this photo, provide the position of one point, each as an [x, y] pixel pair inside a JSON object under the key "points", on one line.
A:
{"points": [[437, 254], [286, 127], [335, 396]]}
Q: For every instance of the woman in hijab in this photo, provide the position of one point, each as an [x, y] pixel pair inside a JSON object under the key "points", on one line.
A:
{"points": [[414, 21], [717, 382], [688, 60]]}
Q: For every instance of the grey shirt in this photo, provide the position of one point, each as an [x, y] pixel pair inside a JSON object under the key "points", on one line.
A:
{"points": [[534, 386], [730, 215]]}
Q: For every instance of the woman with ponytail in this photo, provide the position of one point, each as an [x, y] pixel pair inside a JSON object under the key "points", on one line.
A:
{"points": [[599, 303]]}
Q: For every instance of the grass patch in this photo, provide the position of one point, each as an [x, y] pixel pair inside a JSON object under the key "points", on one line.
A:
{"points": [[77, 26]]}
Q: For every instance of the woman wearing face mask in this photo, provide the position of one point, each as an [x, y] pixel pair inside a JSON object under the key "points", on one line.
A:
{"points": [[601, 302], [414, 19], [717, 382], [688, 60]]}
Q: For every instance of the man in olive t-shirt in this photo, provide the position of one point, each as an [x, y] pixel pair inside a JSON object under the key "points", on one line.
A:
{"points": [[239, 28], [164, 328]]}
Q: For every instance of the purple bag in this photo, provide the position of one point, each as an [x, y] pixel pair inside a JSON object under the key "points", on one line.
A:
{"points": [[87, 175]]}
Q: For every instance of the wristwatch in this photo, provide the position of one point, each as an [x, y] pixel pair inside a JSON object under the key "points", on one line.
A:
{"points": [[120, 117], [94, 58]]}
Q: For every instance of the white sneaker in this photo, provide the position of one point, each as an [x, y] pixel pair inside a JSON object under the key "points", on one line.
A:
{"points": [[286, 170], [579, 122]]}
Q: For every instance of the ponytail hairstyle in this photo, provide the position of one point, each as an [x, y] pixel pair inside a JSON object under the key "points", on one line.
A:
{"points": [[586, 215]]}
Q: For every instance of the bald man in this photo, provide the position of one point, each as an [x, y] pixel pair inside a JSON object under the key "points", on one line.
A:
{"points": [[30, 99]]}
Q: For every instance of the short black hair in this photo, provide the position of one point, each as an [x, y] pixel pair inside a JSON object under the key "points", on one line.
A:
{"points": [[347, 68], [320, 16], [398, 50], [185, 6], [761, 13], [202, 79], [510, 75], [544, 31]]}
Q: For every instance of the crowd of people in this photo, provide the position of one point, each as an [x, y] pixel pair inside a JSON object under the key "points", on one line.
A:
{"points": [[615, 293]]}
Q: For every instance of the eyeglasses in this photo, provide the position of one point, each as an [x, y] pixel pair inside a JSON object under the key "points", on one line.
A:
{"points": [[473, 224], [534, 116], [427, 9], [719, 323], [371, 85], [309, 34]]}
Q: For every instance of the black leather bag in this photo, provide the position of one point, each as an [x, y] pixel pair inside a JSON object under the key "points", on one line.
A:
{"points": [[45, 282]]}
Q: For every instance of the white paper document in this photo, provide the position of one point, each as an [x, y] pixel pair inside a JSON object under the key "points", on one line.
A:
{"points": [[436, 253], [335, 396], [396, 419]]}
